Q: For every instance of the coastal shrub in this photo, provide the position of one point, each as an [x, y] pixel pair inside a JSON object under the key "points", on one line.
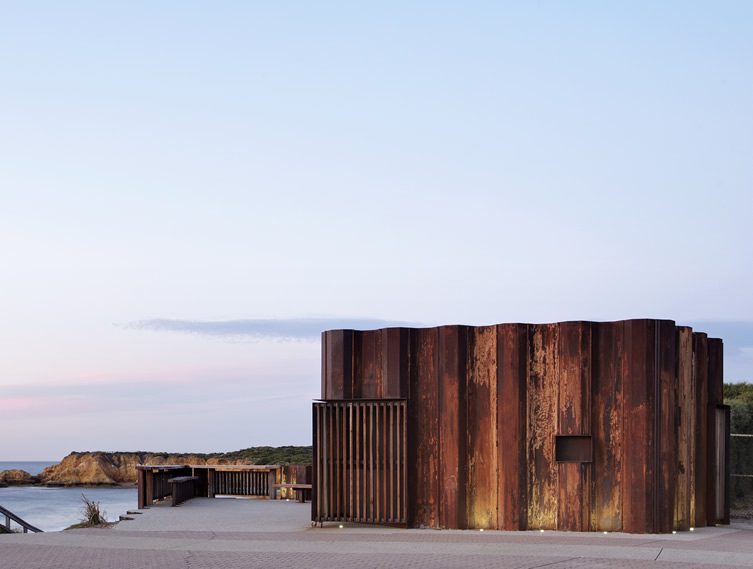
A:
{"points": [[93, 515], [272, 455]]}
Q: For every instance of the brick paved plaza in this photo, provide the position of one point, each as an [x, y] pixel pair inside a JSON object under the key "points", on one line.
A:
{"points": [[240, 534]]}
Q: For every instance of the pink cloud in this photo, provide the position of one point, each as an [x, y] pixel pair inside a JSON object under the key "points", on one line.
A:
{"points": [[22, 404], [41, 407]]}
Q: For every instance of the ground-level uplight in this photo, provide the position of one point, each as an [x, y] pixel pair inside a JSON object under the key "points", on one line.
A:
{"points": [[692, 529], [341, 526]]}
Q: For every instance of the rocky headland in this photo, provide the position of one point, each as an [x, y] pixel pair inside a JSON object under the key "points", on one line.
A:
{"points": [[119, 468], [103, 468], [16, 478]]}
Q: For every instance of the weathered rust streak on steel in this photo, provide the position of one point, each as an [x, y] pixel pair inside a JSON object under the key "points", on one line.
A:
{"points": [[367, 357], [512, 372], [452, 426], [482, 428], [666, 413], [423, 483], [684, 499], [639, 376], [395, 363], [542, 426], [701, 380], [573, 414], [338, 350], [607, 430]]}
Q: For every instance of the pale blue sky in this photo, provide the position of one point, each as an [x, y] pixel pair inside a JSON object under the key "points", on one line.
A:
{"points": [[421, 162]]}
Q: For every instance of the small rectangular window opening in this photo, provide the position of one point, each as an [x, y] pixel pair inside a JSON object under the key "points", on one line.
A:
{"points": [[573, 448]]}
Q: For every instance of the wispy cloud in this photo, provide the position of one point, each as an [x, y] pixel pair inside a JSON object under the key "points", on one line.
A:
{"points": [[265, 328]]}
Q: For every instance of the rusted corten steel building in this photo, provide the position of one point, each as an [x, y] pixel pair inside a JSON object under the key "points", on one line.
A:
{"points": [[584, 426]]}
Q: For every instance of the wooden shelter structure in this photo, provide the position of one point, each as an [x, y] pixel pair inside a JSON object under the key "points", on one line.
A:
{"points": [[181, 482], [583, 426]]}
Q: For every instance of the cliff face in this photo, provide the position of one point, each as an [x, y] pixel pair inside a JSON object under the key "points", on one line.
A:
{"points": [[105, 468]]}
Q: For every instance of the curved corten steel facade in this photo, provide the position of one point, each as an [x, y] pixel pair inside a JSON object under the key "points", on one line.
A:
{"points": [[584, 426]]}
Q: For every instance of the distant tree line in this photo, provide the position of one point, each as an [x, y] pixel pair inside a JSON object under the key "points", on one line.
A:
{"points": [[272, 455], [254, 455]]}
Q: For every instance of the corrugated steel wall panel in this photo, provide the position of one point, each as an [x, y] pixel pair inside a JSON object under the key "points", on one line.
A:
{"points": [[486, 405]]}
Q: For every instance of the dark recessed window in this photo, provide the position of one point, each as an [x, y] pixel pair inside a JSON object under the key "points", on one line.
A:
{"points": [[573, 448]]}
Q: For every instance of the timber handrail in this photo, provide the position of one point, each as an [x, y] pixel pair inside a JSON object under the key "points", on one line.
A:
{"points": [[24, 524]]}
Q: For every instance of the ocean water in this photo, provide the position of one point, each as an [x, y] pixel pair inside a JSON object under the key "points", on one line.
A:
{"points": [[31, 466], [53, 508]]}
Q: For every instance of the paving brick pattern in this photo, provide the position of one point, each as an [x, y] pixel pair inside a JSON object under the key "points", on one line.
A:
{"points": [[279, 535], [18, 556]]}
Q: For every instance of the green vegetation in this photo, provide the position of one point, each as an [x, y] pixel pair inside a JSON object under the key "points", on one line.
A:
{"points": [[739, 396], [255, 455], [271, 455]]}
